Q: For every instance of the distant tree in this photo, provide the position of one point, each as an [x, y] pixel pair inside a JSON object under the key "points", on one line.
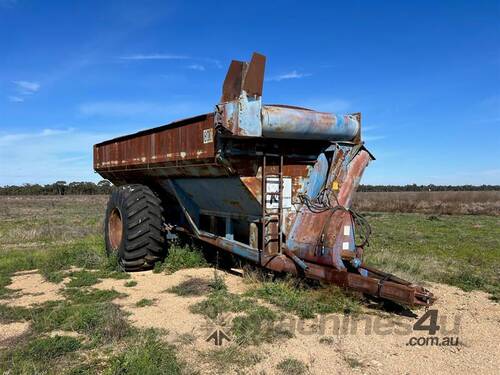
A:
{"points": [[60, 187], [104, 187]]}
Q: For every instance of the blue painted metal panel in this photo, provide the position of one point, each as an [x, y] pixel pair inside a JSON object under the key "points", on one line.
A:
{"points": [[249, 116], [317, 177], [243, 116], [223, 195]]}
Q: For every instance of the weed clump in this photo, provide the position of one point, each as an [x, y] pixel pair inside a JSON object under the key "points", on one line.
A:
{"points": [[179, 258], [220, 301], [258, 325], [102, 322], [10, 314], [192, 287], [303, 300], [38, 356], [51, 347], [130, 283], [292, 366], [82, 278], [145, 302], [91, 277], [148, 355]]}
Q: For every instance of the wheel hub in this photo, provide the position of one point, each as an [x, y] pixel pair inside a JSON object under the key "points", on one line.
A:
{"points": [[115, 228]]}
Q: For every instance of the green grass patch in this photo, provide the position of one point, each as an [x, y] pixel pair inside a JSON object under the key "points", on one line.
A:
{"points": [[4, 281], [220, 301], [92, 277], [87, 367], [82, 278], [303, 300], [256, 325], [179, 258], [148, 355], [130, 283], [460, 250], [38, 356], [102, 322], [145, 302], [9, 314], [85, 253], [52, 236], [51, 347], [54, 276], [292, 366], [218, 283], [87, 296]]}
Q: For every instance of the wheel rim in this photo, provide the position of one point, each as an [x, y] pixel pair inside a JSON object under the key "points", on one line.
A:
{"points": [[115, 229]]}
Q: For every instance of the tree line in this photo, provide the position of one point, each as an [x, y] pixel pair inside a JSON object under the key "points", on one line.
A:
{"points": [[431, 187], [59, 188], [105, 187]]}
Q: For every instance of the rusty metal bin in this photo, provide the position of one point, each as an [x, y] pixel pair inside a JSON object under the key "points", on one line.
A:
{"points": [[270, 183]]}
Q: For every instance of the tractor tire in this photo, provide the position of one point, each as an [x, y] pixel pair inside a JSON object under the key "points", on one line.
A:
{"points": [[133, 227]]}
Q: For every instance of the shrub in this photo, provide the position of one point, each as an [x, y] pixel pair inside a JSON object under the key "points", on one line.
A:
{"points": [[181, 257]]}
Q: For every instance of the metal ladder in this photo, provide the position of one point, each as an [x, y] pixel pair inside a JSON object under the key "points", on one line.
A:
{"points": [[269, 216]]}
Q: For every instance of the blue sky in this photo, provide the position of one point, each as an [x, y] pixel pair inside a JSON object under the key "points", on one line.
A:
{"points": [[425, 75]]}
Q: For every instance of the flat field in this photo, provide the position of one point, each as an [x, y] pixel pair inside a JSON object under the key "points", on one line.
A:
{"points": [[431, 202], [66, 308]]}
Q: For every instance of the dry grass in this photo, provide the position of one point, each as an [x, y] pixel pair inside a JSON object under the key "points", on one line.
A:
{"points": [[431, 202], [35, 222]]}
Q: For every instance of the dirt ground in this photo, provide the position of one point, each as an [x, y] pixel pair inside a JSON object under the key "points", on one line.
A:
{"points": [[374, 343]]}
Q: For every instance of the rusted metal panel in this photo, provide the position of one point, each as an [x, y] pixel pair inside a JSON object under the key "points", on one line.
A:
{"points": [[254, 78], [231, 87], [320, 236], [176, 144], [296, 172], [244, 77]]}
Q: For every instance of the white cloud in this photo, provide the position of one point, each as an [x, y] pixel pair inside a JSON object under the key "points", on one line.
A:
{"points": [[7, 139], [199, 67], [290, 75], [155, 56], [23, 89], [27, 87], [166, 56], [16, 99], [48, 155]]}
